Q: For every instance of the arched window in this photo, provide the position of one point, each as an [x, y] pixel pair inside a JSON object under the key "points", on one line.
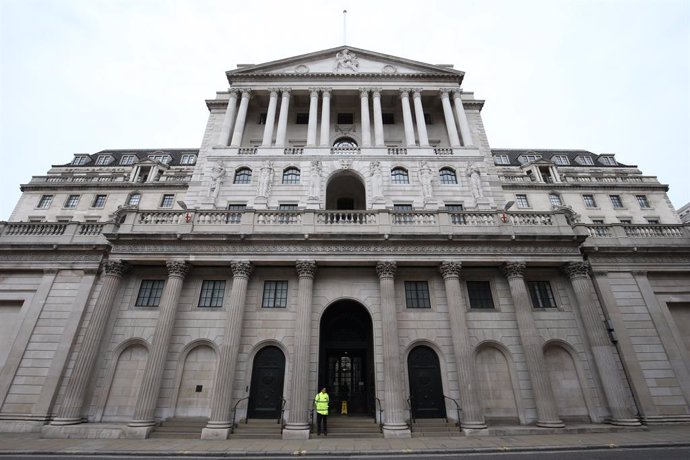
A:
{"points": [[399, 176], [448, 176], [555, 199], [345, 143], [243, 176], [134, 199], [291, 175]]}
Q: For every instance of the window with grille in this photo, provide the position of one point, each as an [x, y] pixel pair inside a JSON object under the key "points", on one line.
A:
{"points": [[134, 199], [609, 161], [522, 201], [480, 294], [127, 160], [236, 216], [243, 176], [541, 294], [625, 221], [642, 201], [188, 159], [212, 292], [45, 201], [524, 159], [501, 160], [560, 159], [417, 294], [99, 201], [586, 160], [275, 294], [399, 176], [291, 176], [72, 201], [150, 293], [448, 176], [167, 201], [454, 207], [616, 201], [80, 160], [653, 221], [589, 201], [102, 160], [555, 199]]}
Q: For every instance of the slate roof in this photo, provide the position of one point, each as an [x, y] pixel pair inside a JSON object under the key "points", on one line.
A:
{"points": [[141, 154], [546, 154]]}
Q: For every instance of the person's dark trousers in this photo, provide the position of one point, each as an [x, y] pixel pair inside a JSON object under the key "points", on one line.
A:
{"points": [[321, 424]]}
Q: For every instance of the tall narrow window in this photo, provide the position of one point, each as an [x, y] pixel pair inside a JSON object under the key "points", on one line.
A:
{"points": [[72, 201], [212, 292], [134, 199], [243, 176], [45, 201], [448, 176], [501, 159], [399, 176], [417, 294], [150, 293], [589, 201], [616, 201], [542, 296], [642, 201], [291, 176], [275, 294], [480, 294], [127, 160], [99, 201], [167, 201], [522, 201], [555, 199]]}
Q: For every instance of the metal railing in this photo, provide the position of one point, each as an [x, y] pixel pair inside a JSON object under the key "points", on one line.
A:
{"points": [[281, 419], [378, 403], [234, 414], [457, 411], [409, 409]]}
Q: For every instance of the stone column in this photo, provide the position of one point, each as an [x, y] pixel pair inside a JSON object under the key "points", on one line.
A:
{"points": [[224, 137], [219, 423], [313, 117], [393, 397], [366, 125], [72, 403], [462, 120], [270, 119], [297, 426], [144, 413], [281, 133], [602, 349], [419, 115], [407, 118], [532, 343], [450, 120], [470, 397], [378, 118], [325, 117], [241, 119]]}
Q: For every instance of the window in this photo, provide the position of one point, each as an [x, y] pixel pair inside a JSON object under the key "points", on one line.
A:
{"points": [[642, 201], [212, 292], [291, 176], [427, 119], [134, 199], [521, 201], [480, 294], [80, 160], [288, 207], [454, 207], [616, 201], [524, 159], [625, 221], [188, 159], [45, 201], [99, 201], [598, 221], [388, 118], [609, 161], [541, 294], [262, 118], [127, 160], [346, 118], [275, 294], [103, 160], [150, 293], [72, 201], [417, 294], [501, 160], [402, 207], [403, 218], [167, 201], [448, 176], [165, 159], [399, 176], [236, 216], [302, 119], [555, 199], [589, 201], [653, 221], [586, 160], [560, 159], [243, 176]]}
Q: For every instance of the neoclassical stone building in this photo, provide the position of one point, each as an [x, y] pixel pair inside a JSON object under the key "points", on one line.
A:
{"points": [[346, 224]]}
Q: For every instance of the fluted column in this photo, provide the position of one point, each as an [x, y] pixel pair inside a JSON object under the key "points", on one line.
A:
{"points": [[602, 350], [366, 124], [325, 117], [144, 412], [462, 119], [229, 118], [470, 399], [419, 115], [407, 118], [241, 119], [378, 118], [313, 117], [300, 400], [394, 400], [547, 411], [450, 120], [72, 403], [281, 132], [218, 426], [270, 119]]}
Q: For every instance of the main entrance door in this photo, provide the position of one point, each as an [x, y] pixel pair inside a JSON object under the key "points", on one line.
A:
{"points": [[266, 388], [426, 388], [346, 365]]}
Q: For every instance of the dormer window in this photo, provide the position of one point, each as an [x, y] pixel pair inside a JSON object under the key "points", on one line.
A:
{"points": [[188, 159], [586, 160], [80, 160], [608, 161], [165, 159], [561, 160], [501, 160], [526, 158], [103, 160], [127, 160]]}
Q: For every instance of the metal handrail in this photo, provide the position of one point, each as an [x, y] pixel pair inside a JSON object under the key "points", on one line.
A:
{"points": [[409, 409], [311, 419], [380, 414], [282, 412], [457, 409], [234, 413]]}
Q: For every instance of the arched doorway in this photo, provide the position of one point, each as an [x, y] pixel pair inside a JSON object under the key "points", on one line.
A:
{"points": [[346, 357], [266, 391], [426, 388], [345, 192]]}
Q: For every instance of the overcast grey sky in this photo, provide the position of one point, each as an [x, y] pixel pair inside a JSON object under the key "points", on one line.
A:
{"points": [[609, 76]]}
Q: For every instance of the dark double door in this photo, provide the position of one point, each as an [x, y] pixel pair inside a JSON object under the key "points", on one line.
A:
{"points": [[266, 391], [426, 388]]}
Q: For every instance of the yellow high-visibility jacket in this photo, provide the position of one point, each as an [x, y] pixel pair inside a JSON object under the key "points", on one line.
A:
{"points": [[321, 401]]}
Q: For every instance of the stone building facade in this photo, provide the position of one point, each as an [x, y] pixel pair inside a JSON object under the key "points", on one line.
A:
{"points": [[344, 223]]}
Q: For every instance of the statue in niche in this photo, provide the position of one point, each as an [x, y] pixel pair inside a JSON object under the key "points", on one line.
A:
{"points": [[376, 179], [346, 59], [315, 180], [474, 174], [425, 176], [265, 179], [217, 174]]}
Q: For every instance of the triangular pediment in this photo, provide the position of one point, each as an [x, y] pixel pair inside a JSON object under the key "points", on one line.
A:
{"points": [[345, 60]]}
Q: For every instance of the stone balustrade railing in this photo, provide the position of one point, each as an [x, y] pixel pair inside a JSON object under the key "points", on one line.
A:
{"points": [[633, 234], [246, 151], [477, 219], [654, 231], [278, 217], [77, 179], [346, 217], [397, 151], [293, 151], [54, 232], [345, 151], [530, 218], [161, 217], [443, 151], [414, 218]]}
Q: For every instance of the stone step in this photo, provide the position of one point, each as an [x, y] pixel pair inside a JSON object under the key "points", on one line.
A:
{"points": [[180, 427], [257, 429], [434, 428]]}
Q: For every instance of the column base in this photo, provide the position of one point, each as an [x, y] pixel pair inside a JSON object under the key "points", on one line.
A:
{"points": [[64, 421], [625, 422], [550, 424], [296, 431], [213, 433], [470, 425], [138, 432], [396, 430]]}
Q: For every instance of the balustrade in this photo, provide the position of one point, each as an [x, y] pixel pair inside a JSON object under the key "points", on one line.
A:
{"points": [[247, 151], [161, 217], [345, 151], [599, 231], [35, 229], [397, 151], [524, 218], [346, 218], [278, 218], [443, 151], [653, 231], [90, 229], [293, 151], [414, 218], [473, 218]]}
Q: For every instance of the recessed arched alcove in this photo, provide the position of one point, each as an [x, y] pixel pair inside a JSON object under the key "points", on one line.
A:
{"points": [[345, 192]]}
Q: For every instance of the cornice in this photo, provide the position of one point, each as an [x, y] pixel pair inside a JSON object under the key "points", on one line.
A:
{"points": [[581, 185], [344, 76], [105, 185]]}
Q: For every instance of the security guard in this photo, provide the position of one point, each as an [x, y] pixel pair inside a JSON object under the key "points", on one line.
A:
{"points": [[321, 402]]}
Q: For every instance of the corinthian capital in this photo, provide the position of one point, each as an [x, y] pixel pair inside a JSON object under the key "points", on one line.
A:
{"points": [[246, 93], [241, 268], [445, 92], [450, 270], [386, 269], [115, 267], [306, 268], [514, 270], [178, 268], [577, 270]]}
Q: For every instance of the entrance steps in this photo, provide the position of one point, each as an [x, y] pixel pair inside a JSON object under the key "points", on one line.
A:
{"points": [[351, 426], [434, 428], [180, 428], [257, 429]]}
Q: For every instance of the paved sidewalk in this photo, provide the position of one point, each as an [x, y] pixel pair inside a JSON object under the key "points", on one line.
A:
{"points": [[656, 436]]}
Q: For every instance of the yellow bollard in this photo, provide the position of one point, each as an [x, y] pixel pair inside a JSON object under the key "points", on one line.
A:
{"points": [[343, 408]]}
